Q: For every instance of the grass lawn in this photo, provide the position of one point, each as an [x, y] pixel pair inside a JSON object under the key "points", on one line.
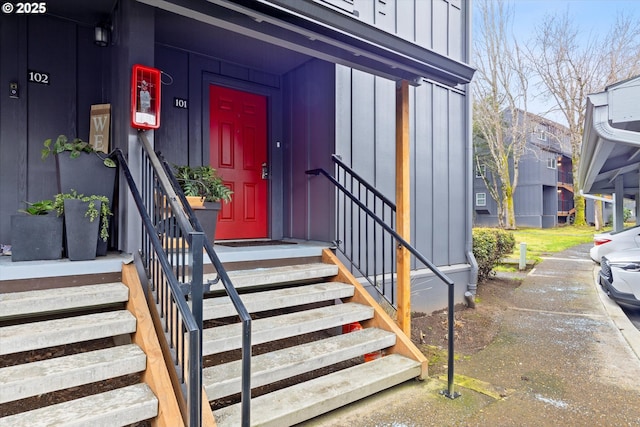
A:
{"points": [[544, 241]]}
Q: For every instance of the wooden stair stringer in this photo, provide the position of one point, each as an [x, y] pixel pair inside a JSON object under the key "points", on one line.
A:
{"points": [[404, 346], [157, 374]]}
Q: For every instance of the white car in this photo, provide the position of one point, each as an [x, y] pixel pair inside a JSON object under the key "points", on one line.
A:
{"points": [[620, 276], [605, 243]]}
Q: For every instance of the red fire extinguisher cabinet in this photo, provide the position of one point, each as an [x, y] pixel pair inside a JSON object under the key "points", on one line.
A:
{"points": [[145, 97]]}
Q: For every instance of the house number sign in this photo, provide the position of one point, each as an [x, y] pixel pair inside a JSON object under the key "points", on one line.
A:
{"points": [[180, 103], [38, 77]]}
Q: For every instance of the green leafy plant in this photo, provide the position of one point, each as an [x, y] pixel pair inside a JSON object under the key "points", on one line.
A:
{"points": [[626, 214], [202, 181], [77, 146], [489, 246], [92, 212], [41, 207]]}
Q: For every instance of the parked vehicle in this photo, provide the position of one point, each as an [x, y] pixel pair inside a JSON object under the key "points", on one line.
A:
{"points": [[620, 276], [605, 243]]}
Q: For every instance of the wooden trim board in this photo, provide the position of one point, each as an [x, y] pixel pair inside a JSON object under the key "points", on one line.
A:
{"points": [[404, 346]]}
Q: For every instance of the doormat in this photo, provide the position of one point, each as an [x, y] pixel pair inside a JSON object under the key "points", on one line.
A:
{"points": [[244, 243]]}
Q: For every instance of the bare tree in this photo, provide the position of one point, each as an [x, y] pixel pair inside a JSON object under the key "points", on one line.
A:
{"points": [[598, 215], [500, 89], [485, 168], [570, 70]]}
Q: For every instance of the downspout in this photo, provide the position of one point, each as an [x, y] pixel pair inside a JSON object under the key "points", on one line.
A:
{"points": [[471, 259]]}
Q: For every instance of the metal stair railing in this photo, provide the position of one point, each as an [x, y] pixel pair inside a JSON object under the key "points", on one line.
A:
{"points": [[223, 277], [365, 227], [380, 247], [172, 257], [180, 327]]}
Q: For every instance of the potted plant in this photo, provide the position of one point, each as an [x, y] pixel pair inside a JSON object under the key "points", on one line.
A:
{"points": [[36, 233], [82, 168], [85, 219], [205, 185]]}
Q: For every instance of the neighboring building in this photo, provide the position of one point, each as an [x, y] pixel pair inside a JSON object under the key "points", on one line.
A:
{"points": [[322, 75], [544, 194], [610, 163]]}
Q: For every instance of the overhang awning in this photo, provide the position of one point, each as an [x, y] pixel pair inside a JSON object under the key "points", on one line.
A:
{"points": [[318, 31], [611, 141]]}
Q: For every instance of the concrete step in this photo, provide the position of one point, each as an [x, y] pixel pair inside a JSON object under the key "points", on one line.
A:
{"points": [[31, 303], [45, 376], [215, 308], [229, 337], [224, 380], [49, 333], [301, 402], [119, 407], [260, 277]]}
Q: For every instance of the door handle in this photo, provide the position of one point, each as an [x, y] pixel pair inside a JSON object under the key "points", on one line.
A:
{"points": [[265, 171]]}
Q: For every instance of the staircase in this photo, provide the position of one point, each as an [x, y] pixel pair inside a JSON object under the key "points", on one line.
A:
{"points": [[303, 365], [78, 356], [566, 185], [89, 355]]}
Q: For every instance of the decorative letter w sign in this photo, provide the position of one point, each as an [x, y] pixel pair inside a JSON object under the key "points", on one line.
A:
{"points": [[99, 131]]}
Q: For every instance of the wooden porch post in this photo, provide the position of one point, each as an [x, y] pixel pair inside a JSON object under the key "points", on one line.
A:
{"points": [[403, 215]]}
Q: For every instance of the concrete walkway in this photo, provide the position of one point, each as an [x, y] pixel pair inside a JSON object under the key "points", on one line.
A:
{"points": [[565, 355]]}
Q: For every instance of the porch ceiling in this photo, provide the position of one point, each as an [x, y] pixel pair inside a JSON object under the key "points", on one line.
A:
{"points": [[312, 30], [611, 140], [182, 32], [86, 12]]}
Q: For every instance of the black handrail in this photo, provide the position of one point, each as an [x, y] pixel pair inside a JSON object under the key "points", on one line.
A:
{"points": [[451, 285], [243, 313], [173, 207], [338, 160], [382, 207], [191, 374]]}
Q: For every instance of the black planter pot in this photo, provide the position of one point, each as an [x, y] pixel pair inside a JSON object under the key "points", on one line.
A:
{"points": [[81, 233], [36, 237], [88, 175], [208, 217]]}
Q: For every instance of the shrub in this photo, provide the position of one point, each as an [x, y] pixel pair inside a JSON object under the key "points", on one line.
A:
{"points": [[489, 246]]}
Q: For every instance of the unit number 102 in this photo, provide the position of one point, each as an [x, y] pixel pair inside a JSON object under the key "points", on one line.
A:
{"points": [[38, 77]]}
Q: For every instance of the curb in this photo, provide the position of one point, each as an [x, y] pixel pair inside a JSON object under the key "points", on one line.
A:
{"points": [[628, 330]]}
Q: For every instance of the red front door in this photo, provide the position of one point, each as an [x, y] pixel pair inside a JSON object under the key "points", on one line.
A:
{"points": [[238, 149]]}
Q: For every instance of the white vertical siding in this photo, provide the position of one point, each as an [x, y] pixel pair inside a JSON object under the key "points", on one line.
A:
{"points": [[423, 18], [409, 19], [385, 15], [385, 125], [362, 125], [422, 170], [434, 24], [365, 134], [458, 173], [438, 149]]}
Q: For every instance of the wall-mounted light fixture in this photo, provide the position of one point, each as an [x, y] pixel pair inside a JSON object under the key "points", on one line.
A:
{"points": [[102, 34]]}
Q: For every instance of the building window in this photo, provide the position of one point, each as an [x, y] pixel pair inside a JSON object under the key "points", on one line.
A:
{"points": [[481, 170], [552, 163], [541, 132], [481, 199]]}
